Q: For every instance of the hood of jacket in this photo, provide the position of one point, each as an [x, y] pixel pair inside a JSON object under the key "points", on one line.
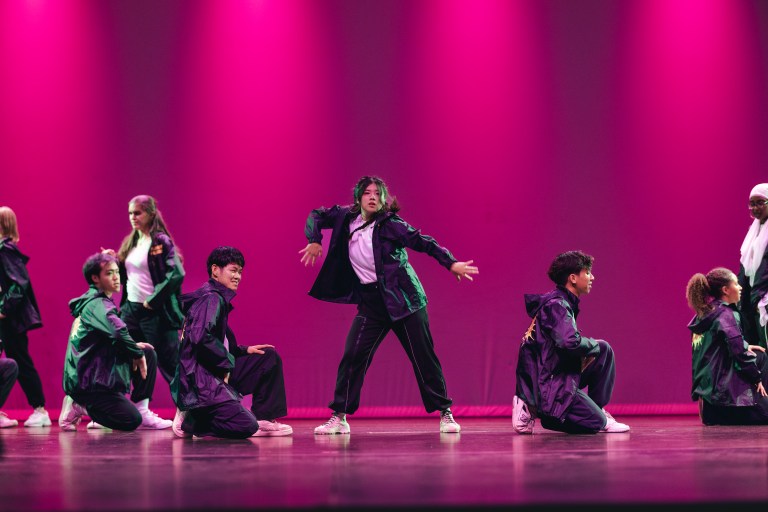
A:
{"points": [[77, 304], [534, 302], [702, 325]]}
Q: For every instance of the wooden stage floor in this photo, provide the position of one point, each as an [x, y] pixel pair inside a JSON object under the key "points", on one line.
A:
{"points": [[668, 462]]}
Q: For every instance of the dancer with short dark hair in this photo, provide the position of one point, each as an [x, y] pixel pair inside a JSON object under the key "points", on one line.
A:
{"points": [[101, 354], [555, 362], [214, 371]]}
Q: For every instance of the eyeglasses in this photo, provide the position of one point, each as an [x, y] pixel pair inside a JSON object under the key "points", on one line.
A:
{"points": [[757, 204]]}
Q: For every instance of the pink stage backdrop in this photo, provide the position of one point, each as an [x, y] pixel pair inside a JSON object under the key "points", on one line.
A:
{"points": [[508, 130]]}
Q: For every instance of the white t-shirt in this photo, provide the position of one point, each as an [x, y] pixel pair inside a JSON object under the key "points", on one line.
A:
{"points": [[361, 251], [139, 285]]}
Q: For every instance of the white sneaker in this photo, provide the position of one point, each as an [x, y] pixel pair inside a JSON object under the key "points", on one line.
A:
{"points": [[522, 422], [150, 420], [93, 425], [38, 418], [176, 424], [336, 425], [6, 422], [271, 428], [71, 414], [613, 426], [447, 424]]}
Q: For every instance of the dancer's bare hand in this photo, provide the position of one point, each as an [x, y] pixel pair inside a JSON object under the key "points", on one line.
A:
{"points": [[141, 365], [761, 389], [464, 269], [258, 349], [310, 253]]}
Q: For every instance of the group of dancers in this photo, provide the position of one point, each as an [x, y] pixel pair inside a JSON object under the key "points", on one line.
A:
{"points": [[563, 379]]}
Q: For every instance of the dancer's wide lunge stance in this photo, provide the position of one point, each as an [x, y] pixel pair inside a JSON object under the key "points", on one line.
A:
{"points": [[367, 265], [101, 354], [555, 362]]}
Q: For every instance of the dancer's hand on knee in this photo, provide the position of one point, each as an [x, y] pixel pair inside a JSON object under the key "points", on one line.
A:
{"points": [[258, 349]]}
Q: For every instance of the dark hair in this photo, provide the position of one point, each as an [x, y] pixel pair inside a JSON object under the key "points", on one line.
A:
{"points": [[149, 205], [362, 184], [703, 289], [222, 256], [94, 264], [567, 263]]}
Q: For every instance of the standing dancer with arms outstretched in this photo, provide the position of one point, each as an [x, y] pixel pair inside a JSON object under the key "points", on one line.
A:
{"points": [[367, 265]]}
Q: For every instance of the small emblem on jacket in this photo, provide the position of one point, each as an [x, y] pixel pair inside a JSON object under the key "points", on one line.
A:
{"points": [[155, 250], [696, 339], [528, 336], [75, 327]]}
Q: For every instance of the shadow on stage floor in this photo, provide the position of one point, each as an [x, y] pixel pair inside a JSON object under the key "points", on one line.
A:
{"points": [[668, 462]]}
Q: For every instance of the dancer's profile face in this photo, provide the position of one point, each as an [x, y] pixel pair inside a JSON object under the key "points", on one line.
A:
{"points": [[371, 200], [582, 282], [732, 292], [139, 218], [758, 208]]}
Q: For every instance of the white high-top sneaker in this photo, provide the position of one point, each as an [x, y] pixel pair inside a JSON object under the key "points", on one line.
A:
{"points": [[336, 425], [150, 420]]}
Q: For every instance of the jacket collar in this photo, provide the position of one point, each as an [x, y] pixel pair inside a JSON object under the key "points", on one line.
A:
{"points": [[571, 297], [221, 290]]}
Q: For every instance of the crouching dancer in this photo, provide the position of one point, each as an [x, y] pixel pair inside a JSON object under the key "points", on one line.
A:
{"points": [[556, 362], [214, 370], [101, 354]]}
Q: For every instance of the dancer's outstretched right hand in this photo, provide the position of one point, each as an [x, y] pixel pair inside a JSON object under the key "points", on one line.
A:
{"points": [[310, 253]]}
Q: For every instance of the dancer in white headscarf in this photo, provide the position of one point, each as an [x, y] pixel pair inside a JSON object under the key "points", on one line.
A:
{"points": [[753, 272]]}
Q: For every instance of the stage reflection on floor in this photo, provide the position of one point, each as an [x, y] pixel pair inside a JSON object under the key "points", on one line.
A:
{"points": [[665, 460]]}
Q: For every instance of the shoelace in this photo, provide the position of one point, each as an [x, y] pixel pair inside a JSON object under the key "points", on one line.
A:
{"points": [[334, 420], [447, 417]]}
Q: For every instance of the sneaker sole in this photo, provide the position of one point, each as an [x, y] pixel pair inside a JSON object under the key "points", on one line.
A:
{"points": [[331, 433], [272, 433], [148, 427]]}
